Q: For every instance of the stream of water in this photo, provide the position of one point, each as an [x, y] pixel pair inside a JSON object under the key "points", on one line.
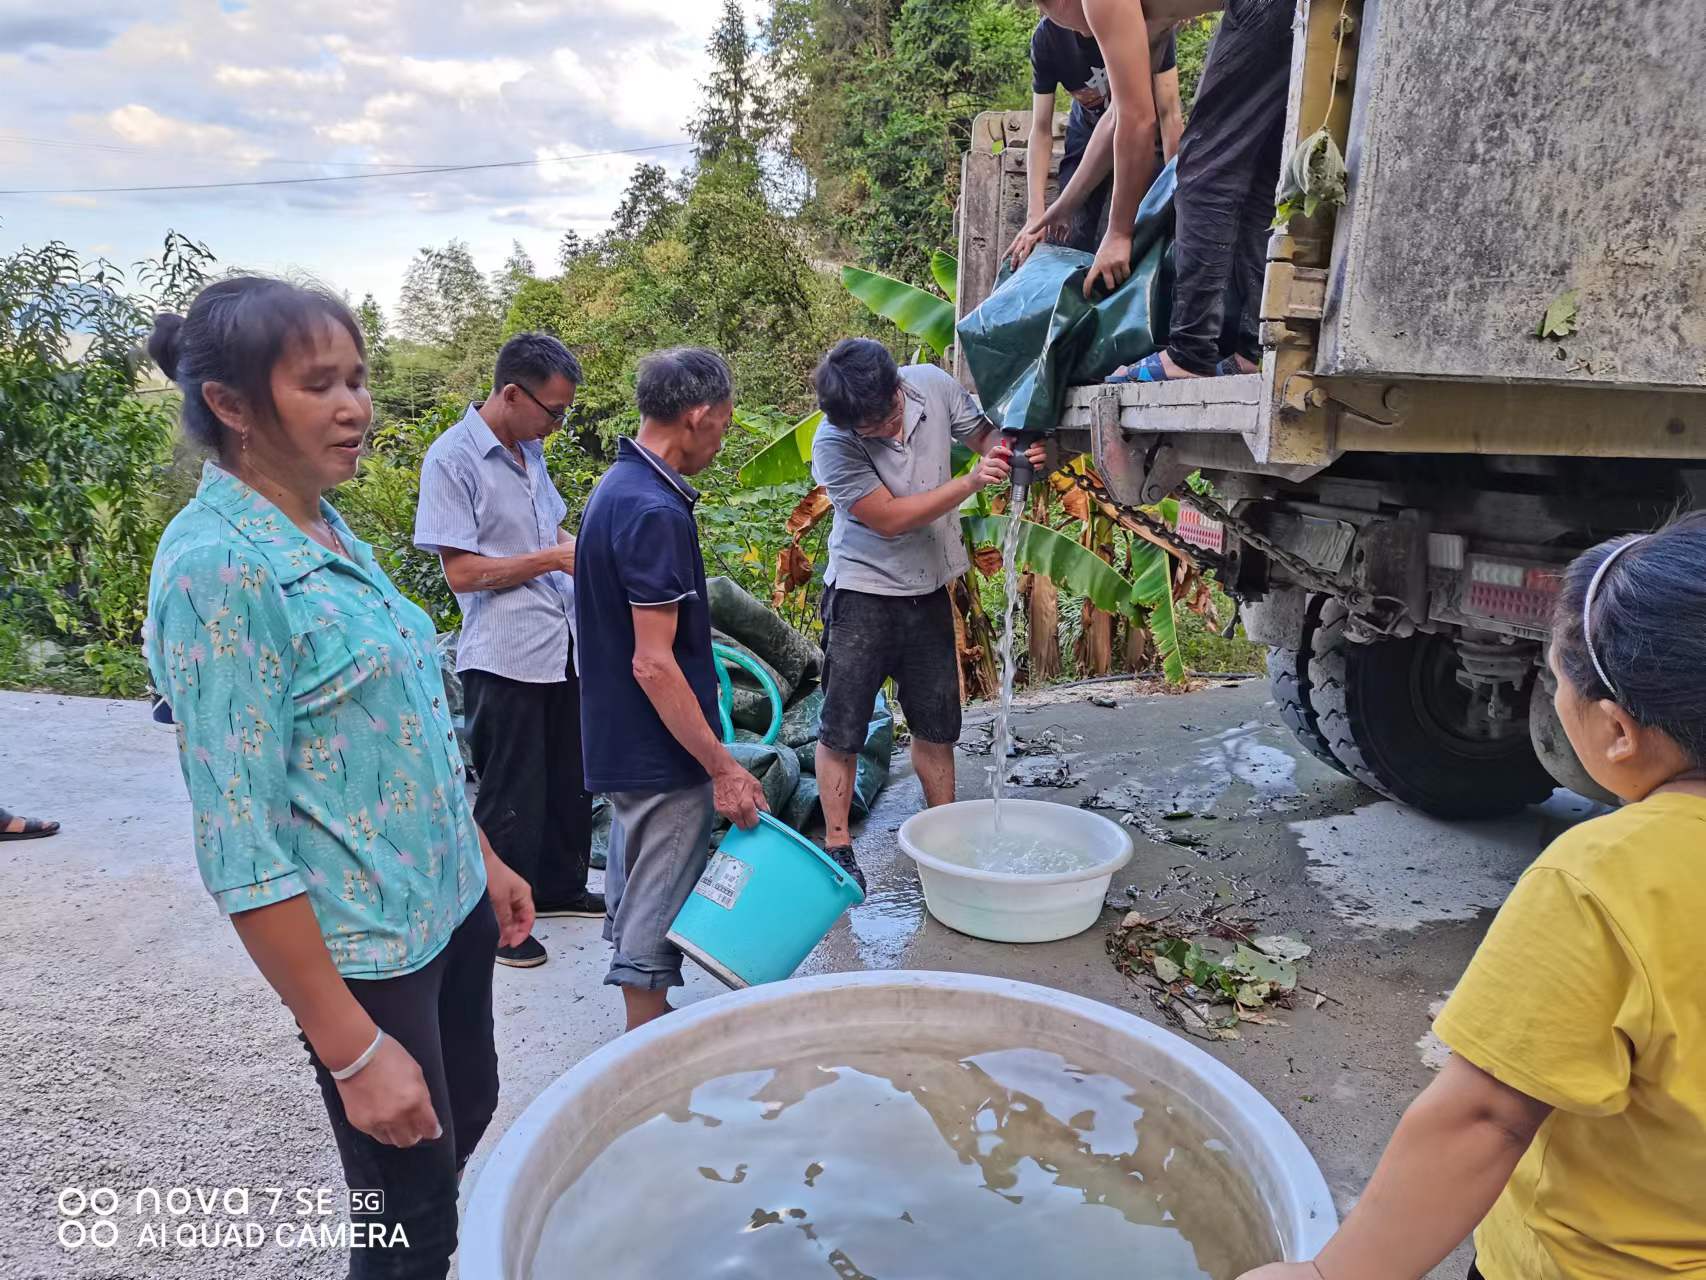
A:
{"points": [[1003, 743]]}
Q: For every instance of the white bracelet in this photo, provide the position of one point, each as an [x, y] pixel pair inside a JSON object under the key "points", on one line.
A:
{"points": [[359, 1063]]}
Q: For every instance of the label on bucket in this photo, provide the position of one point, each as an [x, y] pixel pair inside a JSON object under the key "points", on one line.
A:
{"points": [[723, 880]]}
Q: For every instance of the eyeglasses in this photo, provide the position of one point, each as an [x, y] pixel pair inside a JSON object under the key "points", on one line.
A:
{"points": [[559, 416], [887, 422]]}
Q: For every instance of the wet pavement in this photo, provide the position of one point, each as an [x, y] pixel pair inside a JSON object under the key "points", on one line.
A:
{"points": [[1223, 807], [135, 1028]]}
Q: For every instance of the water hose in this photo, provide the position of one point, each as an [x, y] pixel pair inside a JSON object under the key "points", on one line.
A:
{"points": [[725, 656]]}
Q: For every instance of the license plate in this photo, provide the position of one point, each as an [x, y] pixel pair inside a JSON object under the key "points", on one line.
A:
{"points": [[723, 880]]}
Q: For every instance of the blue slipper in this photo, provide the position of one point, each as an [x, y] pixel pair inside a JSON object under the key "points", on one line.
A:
{"points": [[1148, 369]]}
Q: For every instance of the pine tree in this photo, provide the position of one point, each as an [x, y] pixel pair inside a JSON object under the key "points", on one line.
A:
{"points": [[728, 122], [571, 249], [646, 205]]}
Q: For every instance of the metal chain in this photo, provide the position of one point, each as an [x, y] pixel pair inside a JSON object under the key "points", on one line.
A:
{"points": [[1380, 614]]}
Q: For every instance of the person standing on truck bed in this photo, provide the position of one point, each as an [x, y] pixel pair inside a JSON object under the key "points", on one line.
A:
{"points": [[884, 454], [1229, 159], [1065, 59]]}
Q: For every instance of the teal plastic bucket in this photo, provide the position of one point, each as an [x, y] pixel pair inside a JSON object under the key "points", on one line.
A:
{"points": [[765, 900]]}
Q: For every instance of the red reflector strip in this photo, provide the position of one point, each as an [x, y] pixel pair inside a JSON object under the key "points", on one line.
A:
{"points": [[1512, 604], [1200, 531]]}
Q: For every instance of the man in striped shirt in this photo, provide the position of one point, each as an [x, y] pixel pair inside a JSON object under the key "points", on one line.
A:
{"points": [[489, 511]]}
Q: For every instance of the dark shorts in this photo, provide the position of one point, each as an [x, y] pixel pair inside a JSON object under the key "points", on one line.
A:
{"points": [[869, 639]]}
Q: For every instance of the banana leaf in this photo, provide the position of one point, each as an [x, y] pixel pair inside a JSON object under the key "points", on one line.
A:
{"points": [[1154, 591], [785, 459], [945, 271], [914, 311], [1066, 562]]}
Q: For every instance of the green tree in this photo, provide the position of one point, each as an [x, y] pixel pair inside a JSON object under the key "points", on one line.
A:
{"points": [[647, 204], [445, 297], [517, 270], [84, 458], [875, 104], [571, 248], [733, 104], [375, 333]]}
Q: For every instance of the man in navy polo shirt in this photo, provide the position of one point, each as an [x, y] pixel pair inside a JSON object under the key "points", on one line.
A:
{"points": [[649, 686]]}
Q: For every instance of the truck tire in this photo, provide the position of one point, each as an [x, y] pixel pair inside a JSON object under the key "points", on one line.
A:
{"points": [[1388, 710], [1288, 677]]}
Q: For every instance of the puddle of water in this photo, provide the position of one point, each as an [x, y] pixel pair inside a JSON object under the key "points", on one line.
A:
{"points": [[1385, 867], [885, 924], [912, 1163]]}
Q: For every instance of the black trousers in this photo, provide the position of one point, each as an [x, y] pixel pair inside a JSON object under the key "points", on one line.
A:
{"points": [[1086, 230], [533, 803], [442, 1015], [1229, 162]]}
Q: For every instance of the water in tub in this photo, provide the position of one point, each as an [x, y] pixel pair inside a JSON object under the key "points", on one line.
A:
{"points": [[905, 1162]]}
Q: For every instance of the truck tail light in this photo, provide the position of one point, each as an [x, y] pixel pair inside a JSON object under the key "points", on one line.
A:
{"points": [[1509, 591], [1200, 531]]}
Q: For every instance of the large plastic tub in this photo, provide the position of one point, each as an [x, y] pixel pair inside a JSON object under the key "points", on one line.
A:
{"points": [[1003, 907], [573, 1120]]}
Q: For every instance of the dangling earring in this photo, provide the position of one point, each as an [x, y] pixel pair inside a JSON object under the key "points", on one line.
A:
{"points": [[245, 435]]}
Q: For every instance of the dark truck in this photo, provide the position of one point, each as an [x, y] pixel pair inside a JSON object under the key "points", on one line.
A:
{"points": [[1398, 488]]}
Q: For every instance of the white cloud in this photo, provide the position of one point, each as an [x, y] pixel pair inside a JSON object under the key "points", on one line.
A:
{"points": [[180, 91]]}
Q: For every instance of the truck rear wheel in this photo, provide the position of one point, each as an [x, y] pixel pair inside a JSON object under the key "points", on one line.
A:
{"points": [[1288, 677], [1395, 716]]}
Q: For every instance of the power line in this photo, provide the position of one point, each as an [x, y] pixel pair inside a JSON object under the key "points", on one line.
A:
{"points": [[70, 144], [341, 177]]}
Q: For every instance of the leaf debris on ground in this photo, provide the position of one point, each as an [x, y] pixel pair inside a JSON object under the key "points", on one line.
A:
{"points": [[1207, 973], [1560, 318]]}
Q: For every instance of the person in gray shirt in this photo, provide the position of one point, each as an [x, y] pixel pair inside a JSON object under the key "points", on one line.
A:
{"points": [[883, 454], [490, 512]]}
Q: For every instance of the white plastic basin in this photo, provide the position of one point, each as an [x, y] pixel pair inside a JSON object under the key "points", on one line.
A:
{"points": [[1003, 907], [574, 1119]]}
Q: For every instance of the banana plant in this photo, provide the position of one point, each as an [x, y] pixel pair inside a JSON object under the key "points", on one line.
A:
{"points": [[1066, 561], [786, 459], [916, 312], [1145, 597]]}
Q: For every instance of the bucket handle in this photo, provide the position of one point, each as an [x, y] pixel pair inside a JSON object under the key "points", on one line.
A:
{"points": [[828, 863]]}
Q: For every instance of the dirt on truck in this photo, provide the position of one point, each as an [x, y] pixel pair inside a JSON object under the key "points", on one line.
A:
{"points": [[1490, 357]]}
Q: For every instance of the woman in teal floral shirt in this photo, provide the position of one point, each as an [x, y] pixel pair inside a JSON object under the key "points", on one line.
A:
{"points": [[331, 820]]}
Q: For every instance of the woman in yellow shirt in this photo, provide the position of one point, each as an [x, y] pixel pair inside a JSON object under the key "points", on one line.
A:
{"points": [[1571, 1121]]}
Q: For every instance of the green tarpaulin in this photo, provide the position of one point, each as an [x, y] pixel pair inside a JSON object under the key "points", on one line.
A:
{"points": [[1036, 334]]}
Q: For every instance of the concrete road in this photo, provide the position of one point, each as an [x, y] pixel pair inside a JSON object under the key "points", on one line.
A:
{"points": [[140, 1049]]}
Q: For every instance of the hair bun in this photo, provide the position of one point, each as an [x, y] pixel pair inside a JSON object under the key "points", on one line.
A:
{"points": [[165, 341]]}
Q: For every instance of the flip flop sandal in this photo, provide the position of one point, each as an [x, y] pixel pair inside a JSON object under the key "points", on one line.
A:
{"points": [[34, 828], [1148, 369]]}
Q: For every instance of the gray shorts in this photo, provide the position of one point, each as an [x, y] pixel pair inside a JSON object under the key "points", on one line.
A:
{"points": [[659, 844]]}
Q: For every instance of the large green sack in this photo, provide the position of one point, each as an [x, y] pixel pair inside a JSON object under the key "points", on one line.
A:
{"points": [[761, 629], [776, 768], [868, 782], [800, 721], [1036, 334]]}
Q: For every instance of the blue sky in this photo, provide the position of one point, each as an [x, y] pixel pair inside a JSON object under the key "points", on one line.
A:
{"points": [[151, 92]]}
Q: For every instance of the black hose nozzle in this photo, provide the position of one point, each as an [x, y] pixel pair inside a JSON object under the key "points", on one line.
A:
{"points": [[1023, 474]]}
